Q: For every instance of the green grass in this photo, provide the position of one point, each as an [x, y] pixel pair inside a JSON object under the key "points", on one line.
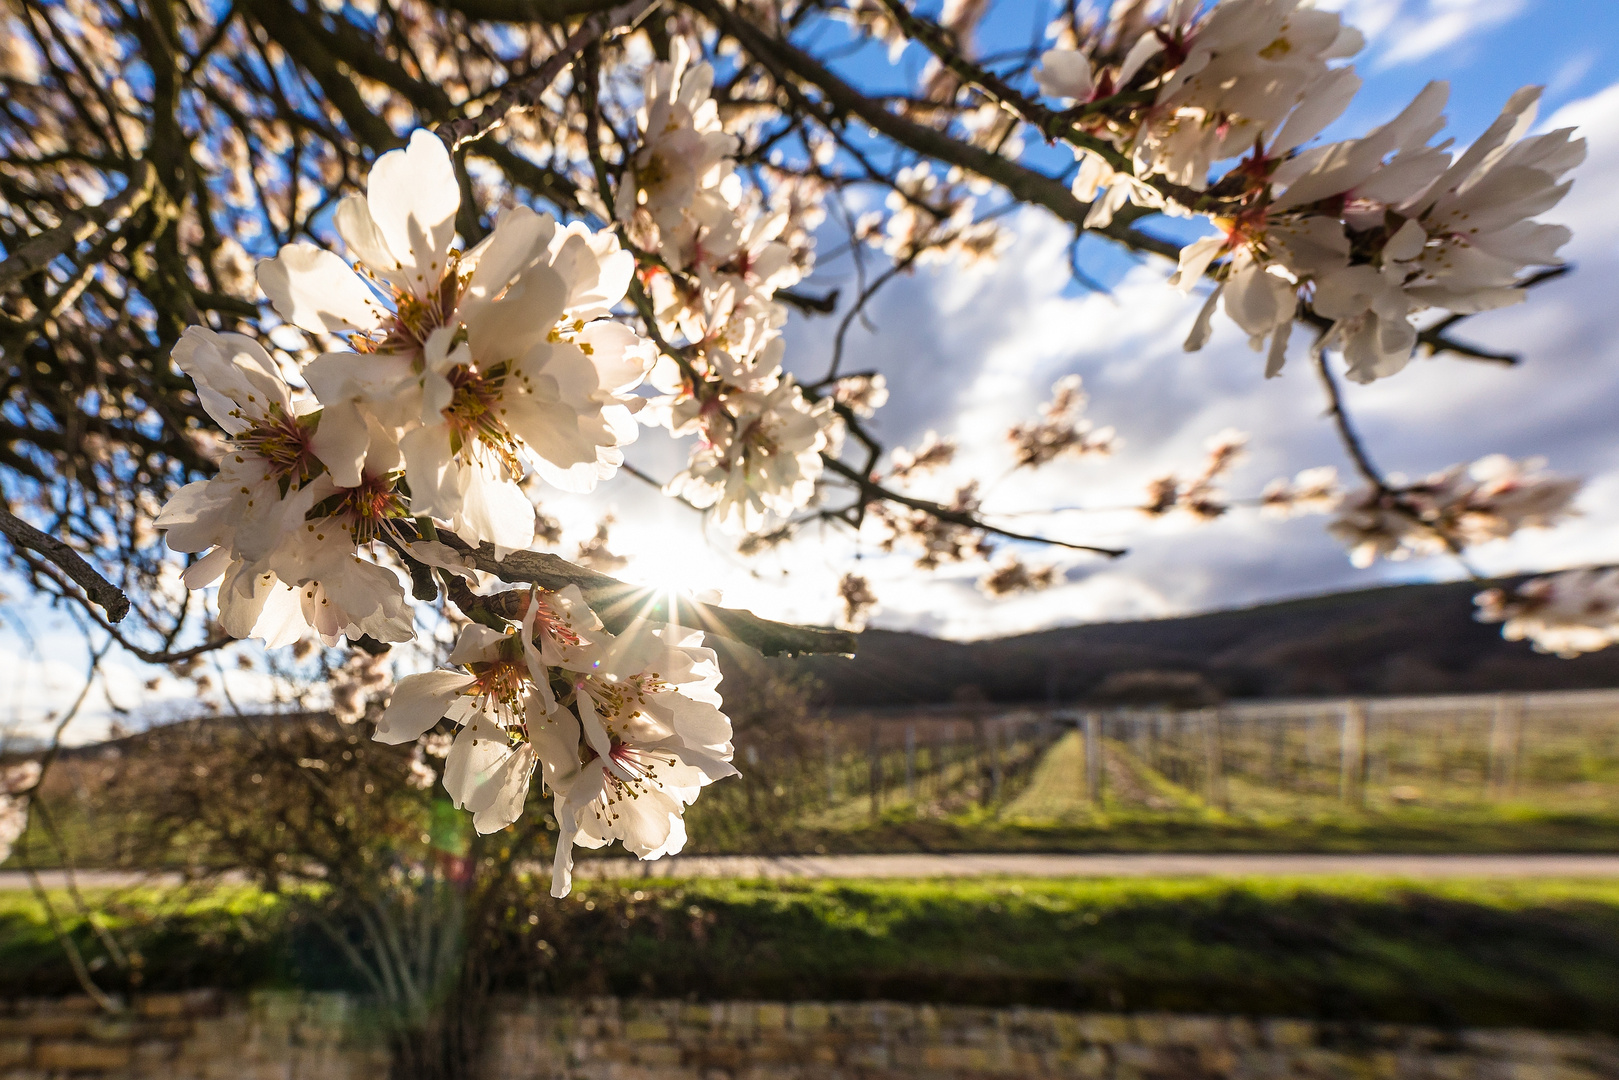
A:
{"points": [[1520, 953]]}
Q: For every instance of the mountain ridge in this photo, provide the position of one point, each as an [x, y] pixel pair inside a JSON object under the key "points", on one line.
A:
{"points": [[1400, 639]]}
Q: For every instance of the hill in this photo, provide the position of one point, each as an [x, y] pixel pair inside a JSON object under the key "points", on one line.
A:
{"points": [[1404, 639]]}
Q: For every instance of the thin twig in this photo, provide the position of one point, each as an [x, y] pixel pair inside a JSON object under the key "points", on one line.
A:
{"points": [[526, 93], [870, 490]]}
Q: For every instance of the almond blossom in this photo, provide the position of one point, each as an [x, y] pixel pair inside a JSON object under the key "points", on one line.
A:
{"points": [[400, 234], [1384, 227], [718, 247], [624, 730], [685, 153], [1236, 76], [1567, 614], [1062, 430], [645, 737], [760, 454], [1465, 505], [542, 378], [1312, 491], [1466, 239], [1222, 84], [281, 575]]}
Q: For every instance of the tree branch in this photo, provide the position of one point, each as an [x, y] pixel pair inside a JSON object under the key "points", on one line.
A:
{"points": [[618, 603], [38, 252], [870, 489], [526, 93], [23, 535]]}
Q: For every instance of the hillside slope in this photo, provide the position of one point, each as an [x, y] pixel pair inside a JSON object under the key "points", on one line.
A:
{"points": [[1406, 639]]}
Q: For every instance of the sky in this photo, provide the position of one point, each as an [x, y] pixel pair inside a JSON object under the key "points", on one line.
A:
{"points": [[967, 354]]}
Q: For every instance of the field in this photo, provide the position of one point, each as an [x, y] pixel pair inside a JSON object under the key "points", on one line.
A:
{"points": [[1485, 773], [1463, 953], [1477, 774]]}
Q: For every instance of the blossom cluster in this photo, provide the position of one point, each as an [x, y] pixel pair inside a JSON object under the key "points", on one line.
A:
{"points": [[1199, 495], [623, 730], [465, 373], [465, 370], [1464, 505], [1567, 614], [1061, 429], [1371, 231], [721, 259]]}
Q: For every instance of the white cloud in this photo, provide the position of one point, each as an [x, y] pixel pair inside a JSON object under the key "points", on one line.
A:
{"points": [[971, 355], [1404, 31]]}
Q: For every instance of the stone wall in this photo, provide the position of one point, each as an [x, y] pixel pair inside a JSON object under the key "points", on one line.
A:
{"points": [[292, 1036]]}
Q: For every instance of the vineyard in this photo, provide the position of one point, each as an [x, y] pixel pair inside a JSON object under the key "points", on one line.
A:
{"points": [[1250, 765]]}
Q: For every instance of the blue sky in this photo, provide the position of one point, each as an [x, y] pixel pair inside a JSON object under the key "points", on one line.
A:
{"points": [[970, 353]]}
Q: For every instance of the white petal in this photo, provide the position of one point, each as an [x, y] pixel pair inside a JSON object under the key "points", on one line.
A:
{"points": [[1326, 101], [316, 291], [556, 741], [521, 238], [413, 196], [1278, 350], [1407, 243], [509, 791], [1203, 325], [341, 440], [236, 380], [419, 702], [435, 554], [1065, 73], [481, 747], [1195, 259], [365, 241], [433, 475], [496, 510], [477, 644], [208, 569], [507, 328]]}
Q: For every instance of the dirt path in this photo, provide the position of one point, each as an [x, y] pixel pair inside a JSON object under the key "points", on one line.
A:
{"points": [[781, 867]]}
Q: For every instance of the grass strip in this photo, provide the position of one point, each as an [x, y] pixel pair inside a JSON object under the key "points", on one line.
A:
{"points": [[1452, 953]]}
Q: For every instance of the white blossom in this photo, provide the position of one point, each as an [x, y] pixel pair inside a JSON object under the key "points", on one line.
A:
{"points": [[685, 152], [646, 736], [1312, 491], [1462, 506], [281, 573], [760, 454], [1567, 614]]}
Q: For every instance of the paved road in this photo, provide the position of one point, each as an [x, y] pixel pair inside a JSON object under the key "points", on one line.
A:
{"points": [[1019, 865], [1109, 865]]}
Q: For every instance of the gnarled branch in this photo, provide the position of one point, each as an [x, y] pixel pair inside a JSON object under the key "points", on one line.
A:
{"points": [[619, 603]]}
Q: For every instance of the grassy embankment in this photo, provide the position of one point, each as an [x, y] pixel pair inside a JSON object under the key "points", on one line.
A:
{"points": [[1542, 953]]}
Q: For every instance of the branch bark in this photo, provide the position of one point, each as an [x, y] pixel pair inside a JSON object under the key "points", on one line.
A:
{"points": [[526, 94], [23, 535], [619, 603], [38, 252], [870, 489]]}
